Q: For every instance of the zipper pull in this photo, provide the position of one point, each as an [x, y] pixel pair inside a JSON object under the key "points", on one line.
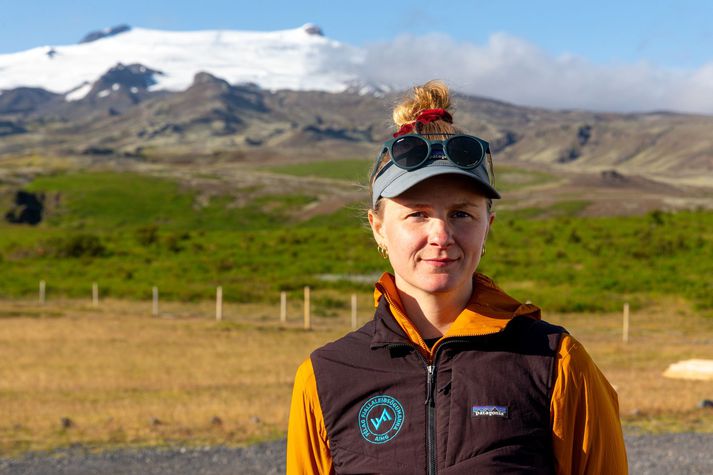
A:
{"points": [[429, 384]]}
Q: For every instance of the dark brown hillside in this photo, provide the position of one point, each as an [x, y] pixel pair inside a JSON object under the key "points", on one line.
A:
{"points": [[215, 119], [24, 100]]}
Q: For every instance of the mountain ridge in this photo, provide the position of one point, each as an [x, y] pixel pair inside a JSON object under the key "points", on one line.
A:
{"points": [[292, 94], [213, 117], [299, 58]]}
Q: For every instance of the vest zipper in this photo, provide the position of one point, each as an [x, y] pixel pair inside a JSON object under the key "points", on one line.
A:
{"points": [[431, 456], [431, 419], [430, 403]]}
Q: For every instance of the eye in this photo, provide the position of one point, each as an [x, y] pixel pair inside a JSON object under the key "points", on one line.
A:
{"points": [[416, 214], [461, 214]]}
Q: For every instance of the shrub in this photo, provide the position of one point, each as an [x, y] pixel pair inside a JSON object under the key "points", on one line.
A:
{"points": [[79, 245], [147, 235]]}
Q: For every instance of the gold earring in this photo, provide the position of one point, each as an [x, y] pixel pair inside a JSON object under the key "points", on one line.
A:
{"points": [[482, 253], [383, 251]]}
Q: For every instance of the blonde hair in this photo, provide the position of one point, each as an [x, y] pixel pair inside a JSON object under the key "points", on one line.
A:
{"points": [[432, 95]]}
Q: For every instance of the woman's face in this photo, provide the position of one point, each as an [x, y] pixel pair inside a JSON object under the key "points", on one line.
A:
{"points": [[434, 233]]}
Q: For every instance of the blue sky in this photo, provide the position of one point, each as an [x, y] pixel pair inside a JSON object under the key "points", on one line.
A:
{"points": [[669, 34], [605, 55]]}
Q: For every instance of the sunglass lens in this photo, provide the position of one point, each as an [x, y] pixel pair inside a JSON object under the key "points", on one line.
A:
{"points": [[465, 151], [409, 152]]}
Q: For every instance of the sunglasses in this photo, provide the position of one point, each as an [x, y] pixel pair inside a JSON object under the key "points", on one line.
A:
{"points": [[412, 151]]}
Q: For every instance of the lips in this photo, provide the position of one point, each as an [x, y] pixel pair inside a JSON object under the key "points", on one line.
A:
{"points": [[440, 261]]}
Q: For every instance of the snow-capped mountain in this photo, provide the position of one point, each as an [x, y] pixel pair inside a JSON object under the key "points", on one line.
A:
{"points": [[297, 59]]}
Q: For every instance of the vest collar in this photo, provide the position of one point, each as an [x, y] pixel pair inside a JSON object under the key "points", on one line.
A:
{"points": [[487, 312]]}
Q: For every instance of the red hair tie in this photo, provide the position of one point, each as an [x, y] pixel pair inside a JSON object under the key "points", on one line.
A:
{"points": [[424, 117]]}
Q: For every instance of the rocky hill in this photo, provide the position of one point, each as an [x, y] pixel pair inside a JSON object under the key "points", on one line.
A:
{"points": [[292, 94], [121, 116]]}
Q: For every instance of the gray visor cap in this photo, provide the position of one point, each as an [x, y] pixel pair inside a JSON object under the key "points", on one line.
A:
{"points": [[394, 180]]}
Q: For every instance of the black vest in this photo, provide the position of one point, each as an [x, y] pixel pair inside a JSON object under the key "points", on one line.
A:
{"points": [[481, 406]]}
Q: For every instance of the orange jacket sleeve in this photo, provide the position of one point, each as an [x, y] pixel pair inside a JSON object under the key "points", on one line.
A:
{"points": [[586, 429], [307, 446]]}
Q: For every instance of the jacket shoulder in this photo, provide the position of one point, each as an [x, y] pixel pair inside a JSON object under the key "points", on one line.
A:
{"points": [[534, 335], [346, 347]]}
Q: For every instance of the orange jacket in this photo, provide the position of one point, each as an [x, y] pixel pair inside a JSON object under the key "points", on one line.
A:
{"points": [[584, 409]]}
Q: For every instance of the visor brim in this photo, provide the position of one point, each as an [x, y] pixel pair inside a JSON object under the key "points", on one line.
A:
{"points": [[395, 181]]}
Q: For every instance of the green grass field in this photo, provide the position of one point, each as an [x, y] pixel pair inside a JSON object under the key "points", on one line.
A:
{"points": [[130, 232]]}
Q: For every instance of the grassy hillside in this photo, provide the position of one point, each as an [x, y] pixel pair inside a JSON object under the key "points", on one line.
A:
{"points": [[110, 201], [130, 232]]}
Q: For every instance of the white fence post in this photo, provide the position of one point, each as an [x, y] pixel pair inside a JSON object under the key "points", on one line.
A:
{"points": [[154, 311], [625, 333], [219, 303], [42, 292], [354, 311], [95, 294], [308, 319], [283, 307]]}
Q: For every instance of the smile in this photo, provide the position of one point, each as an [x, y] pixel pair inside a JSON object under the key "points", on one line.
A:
{"points": [[440, 262]]}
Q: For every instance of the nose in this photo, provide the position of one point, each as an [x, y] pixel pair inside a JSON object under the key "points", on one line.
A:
{"points": [[439, 233]]}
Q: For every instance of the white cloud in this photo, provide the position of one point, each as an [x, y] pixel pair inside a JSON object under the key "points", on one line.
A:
{"points": [[514, 70]]}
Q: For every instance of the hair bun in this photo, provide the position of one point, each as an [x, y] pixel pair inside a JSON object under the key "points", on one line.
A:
{"points": [[432, 95]]}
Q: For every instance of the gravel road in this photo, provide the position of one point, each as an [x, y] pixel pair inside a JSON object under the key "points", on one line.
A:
{"points": [[667, 454]]}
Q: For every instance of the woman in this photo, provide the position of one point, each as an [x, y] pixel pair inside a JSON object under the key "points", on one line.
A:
{"points": [[452, 375]]}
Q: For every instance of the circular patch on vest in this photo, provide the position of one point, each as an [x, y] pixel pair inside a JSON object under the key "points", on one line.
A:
{"points": [[380, 419]]}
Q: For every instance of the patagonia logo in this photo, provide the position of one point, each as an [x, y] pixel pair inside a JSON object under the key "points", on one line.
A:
{"points": [[380, 419], [489, 411]]}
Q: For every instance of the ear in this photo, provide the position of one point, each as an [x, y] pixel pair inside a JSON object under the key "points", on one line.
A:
{"points": [[491, 218], [377, 227]]}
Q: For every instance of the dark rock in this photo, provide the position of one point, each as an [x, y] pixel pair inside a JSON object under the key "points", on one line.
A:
{"points": [[216, 421], [312, 29], [706, 403], [10, 128], [584, 134], [507, 139], [66, 423], [613, 177], [118, 90], [106, 32], [94, 150], [128, 81], [569, 155], [165, 129], [321, 133], [28, 208]]}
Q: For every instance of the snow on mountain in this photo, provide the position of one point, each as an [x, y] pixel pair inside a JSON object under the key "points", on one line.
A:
{"points": [[298, 59]]}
